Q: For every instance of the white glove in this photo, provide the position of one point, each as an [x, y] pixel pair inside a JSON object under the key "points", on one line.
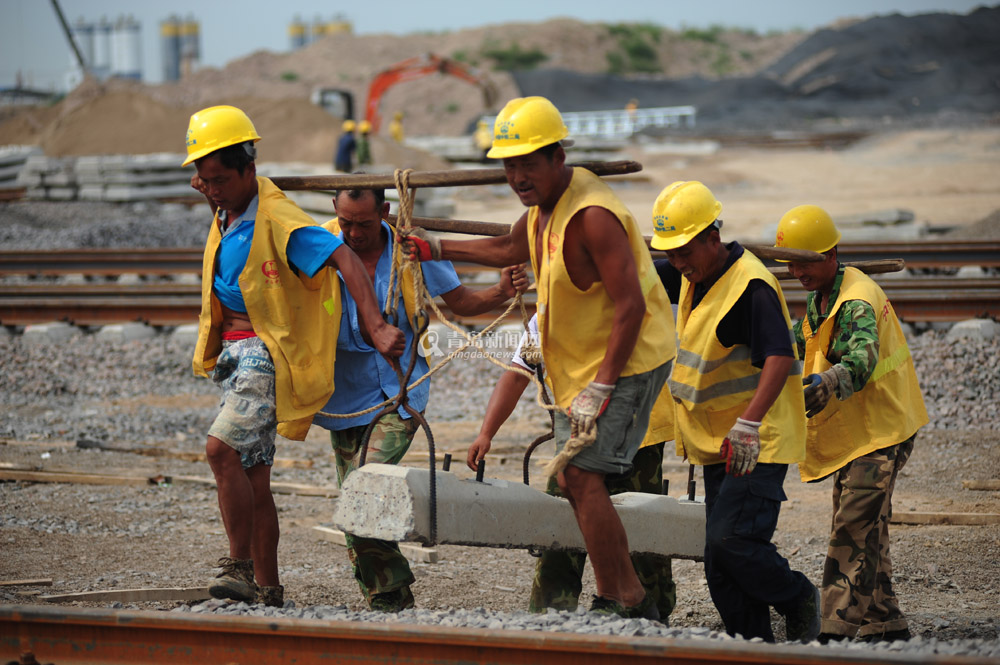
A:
{"points": [[741, 447], [588, 405]]}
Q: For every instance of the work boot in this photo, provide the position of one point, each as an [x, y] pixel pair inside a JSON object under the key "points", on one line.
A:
{"points": [[802, 623], [826, 638], [902, 635], [392, 601], [272, 596], [235, 582], [646, 609]]}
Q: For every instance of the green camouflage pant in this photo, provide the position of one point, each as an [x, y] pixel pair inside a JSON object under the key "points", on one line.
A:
{"points": [[378, 565], [857, 578], [558, 573]]}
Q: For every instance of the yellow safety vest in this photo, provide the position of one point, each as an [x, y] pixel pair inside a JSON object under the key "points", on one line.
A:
{"points": [[574, 325], [889, 408], [713, 384], [297, 317]]}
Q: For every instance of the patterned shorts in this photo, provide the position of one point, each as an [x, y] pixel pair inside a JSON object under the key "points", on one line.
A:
{"points": [[248, 421]]}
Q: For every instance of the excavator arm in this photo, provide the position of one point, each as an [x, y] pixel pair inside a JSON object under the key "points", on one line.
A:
{"points": [[416, 67]]}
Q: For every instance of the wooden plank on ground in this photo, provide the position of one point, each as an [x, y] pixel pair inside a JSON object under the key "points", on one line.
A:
{"points": [[415, 552], [43, 581], [276, 487], [132, 595], [965, 519], [989, 485], [187, 456]]}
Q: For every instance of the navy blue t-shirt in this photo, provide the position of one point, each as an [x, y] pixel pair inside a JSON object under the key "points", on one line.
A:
{"points": [[755, 320]]}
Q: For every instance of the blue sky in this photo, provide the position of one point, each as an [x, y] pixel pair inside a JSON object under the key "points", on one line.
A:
{"points": [[32, 43]]}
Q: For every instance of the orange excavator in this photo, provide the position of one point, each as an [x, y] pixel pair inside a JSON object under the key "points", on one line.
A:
{"points": [[414, 68]]}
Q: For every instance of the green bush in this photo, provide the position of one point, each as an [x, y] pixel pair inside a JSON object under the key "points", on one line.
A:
{"points": [[636, 50], [709, 36], [289, 76], [513, 57]]}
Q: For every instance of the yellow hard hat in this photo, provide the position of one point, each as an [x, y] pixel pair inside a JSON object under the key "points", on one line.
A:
{"points": [[364, 127], [348, 126], [215, 128], [524, 125], [807, 227], [681, 211]]}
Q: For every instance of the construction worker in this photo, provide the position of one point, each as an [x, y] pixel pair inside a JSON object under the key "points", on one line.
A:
{"points": [[344, 161], [739, 410], [853, 349], [605, 325], [365, 379], [396, 127], [558, 573], [484, 139], [267, 333], [364, 150]]}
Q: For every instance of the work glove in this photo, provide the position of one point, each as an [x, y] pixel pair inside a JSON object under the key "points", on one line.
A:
{"points": [[741, 447], [587, 406], [419, 245], [818, 390]]}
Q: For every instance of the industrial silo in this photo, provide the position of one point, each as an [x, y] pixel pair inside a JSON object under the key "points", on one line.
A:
{"points": [[170, 48], [318, 29], [297, 36], [101, 67], [83, 35], [190, 45], [126, 48]]}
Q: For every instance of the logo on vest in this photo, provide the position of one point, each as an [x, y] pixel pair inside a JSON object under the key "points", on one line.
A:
{"points": [[270, 271], [554, 240]]}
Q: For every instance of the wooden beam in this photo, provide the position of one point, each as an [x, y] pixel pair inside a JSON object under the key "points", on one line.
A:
{"points": [[415, 552], [964, 519], [132, 595], [43, 581], [988, 485]]}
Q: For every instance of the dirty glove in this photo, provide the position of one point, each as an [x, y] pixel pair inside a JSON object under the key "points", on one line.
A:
{"points": [[588, 405], [818, 390], [741, 447], [420, 246]]}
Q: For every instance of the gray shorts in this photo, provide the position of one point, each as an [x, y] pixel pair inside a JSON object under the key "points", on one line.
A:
{"points": [[622, 426], [248, 420]]}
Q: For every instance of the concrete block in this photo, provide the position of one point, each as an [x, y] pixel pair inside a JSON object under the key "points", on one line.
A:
{"points": [[392, 503], [187, 333], [56, 331], [978, 329], [125, 332]]}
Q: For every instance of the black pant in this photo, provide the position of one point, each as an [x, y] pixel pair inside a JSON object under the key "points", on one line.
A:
{"points": [[745, 573]]}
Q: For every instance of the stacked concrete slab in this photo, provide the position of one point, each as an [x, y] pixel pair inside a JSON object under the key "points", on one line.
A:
{"points": [[49, 178], [120, 178], [12, 161]]}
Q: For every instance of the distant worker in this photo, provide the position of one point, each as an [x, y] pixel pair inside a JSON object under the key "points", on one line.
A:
{"points": [[854, 349], [739, 413], [484, 139], [364, 145], [559, 573], [268, 330], [344, 161], [396, 127], [605, 326], [631, 107], [365, 379]]}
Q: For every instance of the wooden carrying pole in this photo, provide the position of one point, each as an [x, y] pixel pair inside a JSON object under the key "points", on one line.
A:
{"points": [[419, 179]]}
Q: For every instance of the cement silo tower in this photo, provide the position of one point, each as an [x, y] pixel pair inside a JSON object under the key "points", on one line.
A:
{"points": [[101, 64], [126, 49], [190, 45], [170, 48], [297, 34]]}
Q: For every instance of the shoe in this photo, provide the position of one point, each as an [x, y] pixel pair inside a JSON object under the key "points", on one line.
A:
{"points": [[826, 638], [235, 582], [392, 601], [902, 635], [646, 609], [802, 624], [272, 596]]}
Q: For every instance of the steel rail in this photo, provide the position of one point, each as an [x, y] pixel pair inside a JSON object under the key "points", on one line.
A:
{"points": [[74, 636], [917, 254]]}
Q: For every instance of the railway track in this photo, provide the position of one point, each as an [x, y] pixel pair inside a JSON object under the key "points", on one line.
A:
{"points": [[74, 636], [162, 303]]}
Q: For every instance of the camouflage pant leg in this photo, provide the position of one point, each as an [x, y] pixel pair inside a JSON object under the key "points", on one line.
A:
{"points": [[558, 573], [857, 597], [378, 564]]}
